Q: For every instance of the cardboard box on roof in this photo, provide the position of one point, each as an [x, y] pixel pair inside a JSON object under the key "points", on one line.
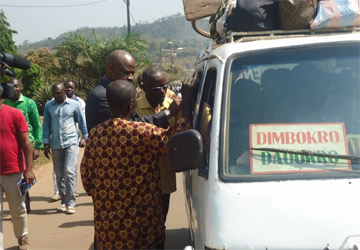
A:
{"points": [[197, 9]]}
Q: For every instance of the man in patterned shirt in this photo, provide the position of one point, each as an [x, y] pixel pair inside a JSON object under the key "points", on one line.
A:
{"points": [[119, 171]]}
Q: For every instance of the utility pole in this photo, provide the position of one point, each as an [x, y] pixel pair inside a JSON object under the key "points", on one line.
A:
{"points": [[128, 15], [172, 51], [160, 57]]}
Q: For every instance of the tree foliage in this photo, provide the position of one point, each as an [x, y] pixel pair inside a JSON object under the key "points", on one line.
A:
{"points": [[7, 43], [42, 96], [83, 60], [47, 61], [31, 80]]}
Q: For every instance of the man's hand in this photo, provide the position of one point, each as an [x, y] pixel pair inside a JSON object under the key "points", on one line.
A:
{"points": [[82, 143], [188, 91], [29, 175], [175, 106], [36, 153], [47, 151], [28, 153]]}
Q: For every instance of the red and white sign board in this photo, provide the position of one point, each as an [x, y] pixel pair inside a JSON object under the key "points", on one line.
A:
{"points": [[324, 138]]}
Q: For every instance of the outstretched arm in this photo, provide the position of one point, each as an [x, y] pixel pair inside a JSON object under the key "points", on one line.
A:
{"points": [[29, 174]]}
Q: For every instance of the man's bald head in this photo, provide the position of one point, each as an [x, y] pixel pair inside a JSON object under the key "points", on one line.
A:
{"points": [[120, 66], [121, 96]]}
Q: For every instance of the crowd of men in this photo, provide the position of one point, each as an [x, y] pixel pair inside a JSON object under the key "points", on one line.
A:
{"points": [[124, 168]]}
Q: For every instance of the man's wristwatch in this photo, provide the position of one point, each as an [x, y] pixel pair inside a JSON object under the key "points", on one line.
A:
{"points": [[167, 113]]}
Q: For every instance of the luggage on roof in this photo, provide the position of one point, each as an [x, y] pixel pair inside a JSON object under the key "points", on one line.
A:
{"points": [[337, 14], [197, 9], [296, 14], [268, 15], [251, 15]]}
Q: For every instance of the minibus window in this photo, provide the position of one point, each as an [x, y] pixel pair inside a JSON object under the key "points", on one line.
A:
{"points": [[281, 102], [205, 111]]}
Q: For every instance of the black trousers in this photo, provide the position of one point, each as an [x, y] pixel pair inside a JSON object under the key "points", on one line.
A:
{"points": [[27, 202]]}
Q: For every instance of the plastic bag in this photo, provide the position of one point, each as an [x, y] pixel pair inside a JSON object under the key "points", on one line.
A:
{"points": [[337, 14]]}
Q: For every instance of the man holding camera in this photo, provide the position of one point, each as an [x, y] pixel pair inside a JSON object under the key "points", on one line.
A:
{"points": [[16, 162]]}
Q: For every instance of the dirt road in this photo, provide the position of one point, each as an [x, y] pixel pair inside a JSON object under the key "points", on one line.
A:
{"points": [[51, 230]]}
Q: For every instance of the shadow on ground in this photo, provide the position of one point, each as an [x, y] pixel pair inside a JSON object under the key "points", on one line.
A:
{"points": [[77, 223], [177, 238]]}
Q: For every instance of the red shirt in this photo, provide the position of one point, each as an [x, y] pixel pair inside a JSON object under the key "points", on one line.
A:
{"points": [[12, 122]]}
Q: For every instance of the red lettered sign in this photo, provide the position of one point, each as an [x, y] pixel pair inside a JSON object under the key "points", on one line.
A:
{"points": [[321, 138]]}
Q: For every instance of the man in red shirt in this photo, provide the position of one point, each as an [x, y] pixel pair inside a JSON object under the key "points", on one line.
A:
{"points": [[16, 162]]}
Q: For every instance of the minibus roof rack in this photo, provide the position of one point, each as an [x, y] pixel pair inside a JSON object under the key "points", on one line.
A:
{"points": [[266, 35]]}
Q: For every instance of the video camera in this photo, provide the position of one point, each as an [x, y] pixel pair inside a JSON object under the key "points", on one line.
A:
{"points": [[7, 61]]}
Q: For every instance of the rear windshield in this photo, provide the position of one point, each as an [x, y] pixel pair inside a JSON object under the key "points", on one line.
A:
{"points": [[293, 113]]}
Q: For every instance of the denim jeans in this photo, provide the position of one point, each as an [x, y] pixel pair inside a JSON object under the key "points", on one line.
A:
{"points": [[65, 164], [16, 201]]}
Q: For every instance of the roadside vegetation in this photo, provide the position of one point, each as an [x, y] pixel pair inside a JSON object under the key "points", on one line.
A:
{"points": [[81, 55]]}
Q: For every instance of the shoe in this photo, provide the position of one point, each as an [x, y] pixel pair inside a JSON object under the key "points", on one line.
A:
{"points": [[61, 209], [24, 243], [55, 197], [76, 194], [70, 210]]}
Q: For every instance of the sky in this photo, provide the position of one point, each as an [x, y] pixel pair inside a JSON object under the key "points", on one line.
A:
{"points": [[36, 20]]}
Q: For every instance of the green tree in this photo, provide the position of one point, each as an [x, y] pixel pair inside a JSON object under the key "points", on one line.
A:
{"points": [[42, 96], [83, 60], [7, 43], [31, 80], [47, 62]]}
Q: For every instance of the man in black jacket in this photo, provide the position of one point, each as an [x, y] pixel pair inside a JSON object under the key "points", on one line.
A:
{"points": [[120, 66]]}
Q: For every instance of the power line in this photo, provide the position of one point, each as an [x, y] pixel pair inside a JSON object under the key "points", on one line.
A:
{"points": [[137, 27], [52, 6]]}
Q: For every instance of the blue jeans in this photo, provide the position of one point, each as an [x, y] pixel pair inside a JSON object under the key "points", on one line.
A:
{"points": [[65, 164]]}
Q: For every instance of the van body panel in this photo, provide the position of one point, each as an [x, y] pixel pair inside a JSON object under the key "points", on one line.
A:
{"points": [[297, 215], [264, 214]]}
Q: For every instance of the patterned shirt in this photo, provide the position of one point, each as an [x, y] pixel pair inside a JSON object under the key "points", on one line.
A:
{"points": [[119, 171], [28, 107]]}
